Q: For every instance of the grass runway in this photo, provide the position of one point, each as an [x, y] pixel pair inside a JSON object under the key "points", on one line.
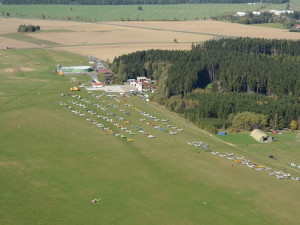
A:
{"points": [[53, 162]]}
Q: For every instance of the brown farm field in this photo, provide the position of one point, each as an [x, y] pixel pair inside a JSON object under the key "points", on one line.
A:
{"points": [[107, 40]]}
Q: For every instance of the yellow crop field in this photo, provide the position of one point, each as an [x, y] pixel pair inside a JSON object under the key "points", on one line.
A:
{"points": [[107, 40]]}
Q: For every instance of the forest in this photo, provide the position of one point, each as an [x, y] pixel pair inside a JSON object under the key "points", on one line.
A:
{"points": [[131, 2], [215, 81]]}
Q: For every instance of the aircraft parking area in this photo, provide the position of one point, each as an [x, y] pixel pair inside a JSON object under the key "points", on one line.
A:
{"points": [[113, 115]]}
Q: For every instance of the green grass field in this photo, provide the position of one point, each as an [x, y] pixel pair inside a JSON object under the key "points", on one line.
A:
{"points": [[272, 25], [125, 12], [26, 38], [54, 162], [295, 5]]}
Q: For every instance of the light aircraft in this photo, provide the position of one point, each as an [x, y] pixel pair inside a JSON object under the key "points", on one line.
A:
{"points": [[173, 133], [151, 136]]}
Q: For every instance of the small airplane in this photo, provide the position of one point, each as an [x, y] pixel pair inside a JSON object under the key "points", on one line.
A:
{"points": [[173, 133], [151, 136], [129, 140]]}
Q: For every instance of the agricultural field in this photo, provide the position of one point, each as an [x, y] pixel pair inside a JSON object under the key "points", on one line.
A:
{"points": [[106, 40], [127, 12], [54, 162], [272, 25], [295, 5]]}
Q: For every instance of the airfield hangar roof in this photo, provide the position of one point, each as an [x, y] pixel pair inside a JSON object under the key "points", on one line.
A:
{"points": [[260, 136]]}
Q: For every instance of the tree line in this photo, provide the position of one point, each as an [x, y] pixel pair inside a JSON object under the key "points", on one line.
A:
{"points": [[221, 78], [131, 2], [289, 20], [28, 28]]}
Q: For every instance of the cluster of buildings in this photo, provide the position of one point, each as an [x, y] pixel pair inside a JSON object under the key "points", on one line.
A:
{"points": [[141, 84], [275, 12]]}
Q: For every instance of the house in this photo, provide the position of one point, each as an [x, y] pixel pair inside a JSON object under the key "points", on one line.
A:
{"points": [[99, 84], [141, 83], [108, 74], [103, 70], [140, 79]]}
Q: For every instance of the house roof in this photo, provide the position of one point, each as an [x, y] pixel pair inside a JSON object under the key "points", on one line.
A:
{"points": [[104, 70]]}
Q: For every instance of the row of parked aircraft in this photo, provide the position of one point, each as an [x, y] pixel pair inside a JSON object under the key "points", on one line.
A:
{"points": [[294, 165], [246, 162]]}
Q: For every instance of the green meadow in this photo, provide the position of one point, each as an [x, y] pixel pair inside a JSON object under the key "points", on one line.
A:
{"points": [[54, 162], [26, 38], [271, 25], [127, 12], [295, 5]]}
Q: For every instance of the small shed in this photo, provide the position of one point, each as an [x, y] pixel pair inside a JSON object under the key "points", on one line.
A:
{"points": [[222, 133], [260, 136]]}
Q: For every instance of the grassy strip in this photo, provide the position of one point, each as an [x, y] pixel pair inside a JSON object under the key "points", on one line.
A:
{"points": [[271, 25], [53, 162], [26, 38], [54, 31], [126, 12]]}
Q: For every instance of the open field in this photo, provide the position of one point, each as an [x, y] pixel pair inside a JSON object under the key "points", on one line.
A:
{"points": [[127, 12], [295, 5], [107, 40], [272, 25], [53, 162]]}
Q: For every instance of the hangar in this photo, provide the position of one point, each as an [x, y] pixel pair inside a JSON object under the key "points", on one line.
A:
{"points": [[260, 136]]}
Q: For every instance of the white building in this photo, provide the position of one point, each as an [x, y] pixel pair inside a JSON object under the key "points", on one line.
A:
{"points": [[256, 13], [278, 13], [140, 83], [240, 14]]}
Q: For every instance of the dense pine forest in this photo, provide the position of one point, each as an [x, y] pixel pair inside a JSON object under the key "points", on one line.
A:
{"points": [[131, 2], [216, 81]]}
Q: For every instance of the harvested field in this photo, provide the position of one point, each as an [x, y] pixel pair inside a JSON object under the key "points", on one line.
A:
{"points": [[107, 40], [7, 42], [109, 52], [213, 28]]}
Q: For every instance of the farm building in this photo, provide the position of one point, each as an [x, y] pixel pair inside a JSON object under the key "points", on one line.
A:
{"points": [[75, 69], [260, 136]]}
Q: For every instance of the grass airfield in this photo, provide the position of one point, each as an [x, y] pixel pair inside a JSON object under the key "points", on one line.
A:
{"points": [[53, 162]]}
